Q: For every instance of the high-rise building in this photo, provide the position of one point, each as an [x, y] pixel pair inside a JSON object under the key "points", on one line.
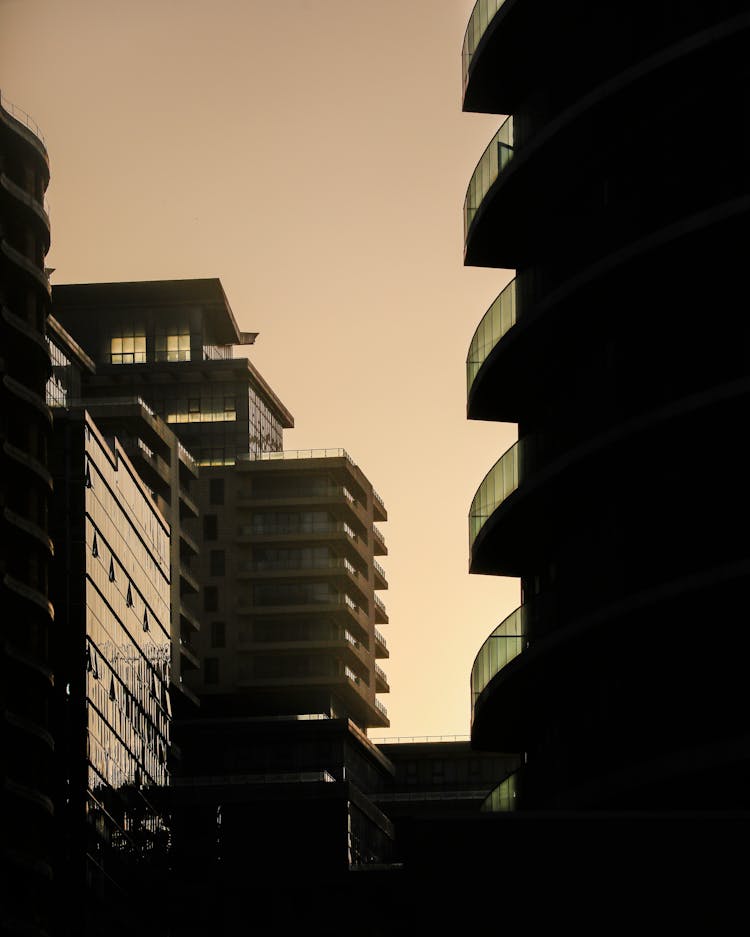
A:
{"points": [[26, 614], [293, 535], [621, 351], [112, 657]]}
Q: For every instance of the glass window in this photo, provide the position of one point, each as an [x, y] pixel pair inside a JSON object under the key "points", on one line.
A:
{"points": [[210, 599], [211, 670], [217, 562], [210, 527], [129, 347], [172, 344], [218, 634]]}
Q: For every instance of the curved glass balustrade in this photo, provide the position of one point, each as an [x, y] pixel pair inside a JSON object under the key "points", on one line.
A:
{"points": [[506, 642], [494, 159], [480, 19], [501, 480], [503, 797], [495, 323]]}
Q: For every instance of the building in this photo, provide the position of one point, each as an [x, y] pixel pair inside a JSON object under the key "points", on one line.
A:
{"points": [[26, 614], [112, 657], [620, 351], [164, 465], [293, 536], [172, 343]]}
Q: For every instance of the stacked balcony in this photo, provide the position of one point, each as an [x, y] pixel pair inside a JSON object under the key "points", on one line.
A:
{"points": [[599, 241]]}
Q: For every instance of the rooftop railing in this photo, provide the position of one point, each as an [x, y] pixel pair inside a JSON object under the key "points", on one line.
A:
{"points": [[498, 319], [494, 159], [408, 739], [288, 454], [504, 644], [19, 114], [481, 17]]}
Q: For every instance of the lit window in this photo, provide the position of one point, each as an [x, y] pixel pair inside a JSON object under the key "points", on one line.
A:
{"points": [[173, 345], [128, 349]]}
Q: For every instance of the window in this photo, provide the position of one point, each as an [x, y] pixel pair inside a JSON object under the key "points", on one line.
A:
{"points": [[216, 491], [129, 347], [217, 560], [211, 599], [173, 345], [210, 527], [218, 634], [211, 670]]}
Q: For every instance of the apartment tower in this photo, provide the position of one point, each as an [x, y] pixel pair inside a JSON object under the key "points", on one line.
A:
{"points": [[621, 352]]}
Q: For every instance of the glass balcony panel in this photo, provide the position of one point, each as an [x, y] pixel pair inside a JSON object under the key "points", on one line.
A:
{"points": [[498, 319], [500, 482], [493, 161], [481, 17], [504, 644]]}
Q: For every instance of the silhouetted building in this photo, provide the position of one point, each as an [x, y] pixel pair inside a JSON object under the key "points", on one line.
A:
{"points": [[112, 666], [291, 607], [621, 352], [26, 615]]}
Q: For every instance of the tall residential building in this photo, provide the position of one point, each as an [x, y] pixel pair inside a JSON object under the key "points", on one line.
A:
{"points": [[26, 614], [112, 658], [621, 351], [162, 462], [291, 580]]}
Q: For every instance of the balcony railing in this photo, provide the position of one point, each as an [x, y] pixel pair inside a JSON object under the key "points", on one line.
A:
{"points": [[480, 19], [380, 639], [381, 673], [500, 482], [494, 159], [380, 603], [19, 114], [498, 319], [506, 642], [503, 797], [281, 565], [378, 534], [304, 527], [381, 707]]}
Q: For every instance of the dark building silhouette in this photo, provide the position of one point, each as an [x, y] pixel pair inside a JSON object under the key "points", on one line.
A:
{"points": [[26, 614], [621, 351]]}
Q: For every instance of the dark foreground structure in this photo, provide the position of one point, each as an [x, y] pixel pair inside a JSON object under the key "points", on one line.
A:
{"points": [[622, 352]]}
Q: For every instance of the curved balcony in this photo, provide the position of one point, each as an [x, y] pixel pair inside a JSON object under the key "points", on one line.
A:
{"points": [[498, 319], [481, 17], [498, 484], [503, 798], [504, 644], [493, 161]]}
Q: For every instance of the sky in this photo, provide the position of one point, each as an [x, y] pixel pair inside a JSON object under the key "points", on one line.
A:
{"points": [[313, 155]]}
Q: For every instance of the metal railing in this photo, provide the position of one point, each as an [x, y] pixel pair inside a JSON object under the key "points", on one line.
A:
{"points": [[378, 568], [380, 603], [381, 673], [382, 708], [22, 116], [378, 534], [403, 739], [379, 637], [377, 497], [287, 454]]}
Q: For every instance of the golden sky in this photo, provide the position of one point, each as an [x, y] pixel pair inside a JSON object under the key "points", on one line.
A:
{"points": [[313, 155]]}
